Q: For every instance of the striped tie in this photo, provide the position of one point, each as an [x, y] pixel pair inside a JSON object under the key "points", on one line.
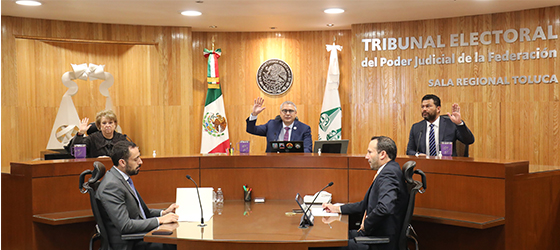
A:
{"points": [[433, 151]]}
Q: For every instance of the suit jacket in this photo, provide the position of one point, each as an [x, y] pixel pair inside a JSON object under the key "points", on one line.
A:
{"points": [[120, 211], [300, 132], [386, 202], [448, 131]]}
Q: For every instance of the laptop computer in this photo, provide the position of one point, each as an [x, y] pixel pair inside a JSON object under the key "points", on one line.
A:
{"points": [[333, 146], [286, 146]]}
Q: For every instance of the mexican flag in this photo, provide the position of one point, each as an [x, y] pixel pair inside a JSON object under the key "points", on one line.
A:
{"points": [[215, 135], [330, 122]]}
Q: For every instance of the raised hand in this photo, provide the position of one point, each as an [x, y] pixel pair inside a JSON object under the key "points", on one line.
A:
{"points": [[455, 115], [84, 125], [258, 106]]}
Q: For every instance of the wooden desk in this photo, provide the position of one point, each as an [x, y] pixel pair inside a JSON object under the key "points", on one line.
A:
{"points": [[470, 203], [266, 227]]}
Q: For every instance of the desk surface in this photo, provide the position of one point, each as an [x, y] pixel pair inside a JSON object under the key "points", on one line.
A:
{"points": [[265, 225]]}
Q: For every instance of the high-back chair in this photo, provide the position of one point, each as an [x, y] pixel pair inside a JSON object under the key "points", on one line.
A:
{"points": [[90, 187], [407, 232]]}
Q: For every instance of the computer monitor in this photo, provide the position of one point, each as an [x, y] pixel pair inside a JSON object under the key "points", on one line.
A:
{"points": [[334, 146], [286, 146]]}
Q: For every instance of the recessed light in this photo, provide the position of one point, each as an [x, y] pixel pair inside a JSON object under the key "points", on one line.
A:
{"points": [[272, 28], [28, 3], [199, 1], [191, 13], [334, 11], [213, 26], [330, 24]]}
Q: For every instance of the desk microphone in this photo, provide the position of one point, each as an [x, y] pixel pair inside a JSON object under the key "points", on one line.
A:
{"points": [[418, 144], [199, 202], [328, 185]]}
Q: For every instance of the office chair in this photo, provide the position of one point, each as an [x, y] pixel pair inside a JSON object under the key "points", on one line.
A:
{"points": [[91, 187], [407, 232], [461, 148]]}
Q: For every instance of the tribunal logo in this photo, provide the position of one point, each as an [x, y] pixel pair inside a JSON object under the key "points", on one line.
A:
{"points": [[274, 77]]}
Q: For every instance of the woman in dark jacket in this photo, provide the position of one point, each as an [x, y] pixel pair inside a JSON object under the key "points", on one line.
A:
{"points": [[99, 143]]}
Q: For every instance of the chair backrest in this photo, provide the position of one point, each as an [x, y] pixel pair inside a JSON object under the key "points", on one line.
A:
{"points": [[91, 187], [461, 148], [413, 187]]}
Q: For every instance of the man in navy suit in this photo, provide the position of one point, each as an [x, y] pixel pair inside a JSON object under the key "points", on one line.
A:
{"points": [[385, 203], [284, 128], [426, 136]]}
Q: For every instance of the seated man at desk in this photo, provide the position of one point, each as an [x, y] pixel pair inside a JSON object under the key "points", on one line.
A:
{"points": [[385, 203], [125, 211], [285, 127], [426, 135]]}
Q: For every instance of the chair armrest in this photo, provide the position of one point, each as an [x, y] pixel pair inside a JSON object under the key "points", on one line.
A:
{"points": [[135, 236], [370, 240]]}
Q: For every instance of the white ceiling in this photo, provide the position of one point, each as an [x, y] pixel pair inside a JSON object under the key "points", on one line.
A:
{"points": [[260, 15]]}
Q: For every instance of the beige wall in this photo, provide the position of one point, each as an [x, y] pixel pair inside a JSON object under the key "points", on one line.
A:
{"points": [[160, 83]]}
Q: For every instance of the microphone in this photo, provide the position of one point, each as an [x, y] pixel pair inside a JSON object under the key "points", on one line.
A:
{"points": [[418, 144], [128, 138], [328, 185], [200, 202]]}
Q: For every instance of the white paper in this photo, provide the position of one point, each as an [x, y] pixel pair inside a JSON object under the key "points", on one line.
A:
{"points": [[189, 207], [318, 211]]}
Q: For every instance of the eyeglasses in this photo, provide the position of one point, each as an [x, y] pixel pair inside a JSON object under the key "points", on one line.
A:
{"points": [[288, 111]]}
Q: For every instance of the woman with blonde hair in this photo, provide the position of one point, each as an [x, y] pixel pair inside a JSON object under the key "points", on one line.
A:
{"points": [[99, 143]]}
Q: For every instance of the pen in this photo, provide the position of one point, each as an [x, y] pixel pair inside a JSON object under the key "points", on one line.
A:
{"points": [[245, 188]]}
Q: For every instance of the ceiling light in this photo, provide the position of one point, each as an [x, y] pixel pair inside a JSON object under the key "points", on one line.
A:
{"points": [[330, 24], [213, 26], [28, 3], [272, 28], [334, 11], [191, 13]]}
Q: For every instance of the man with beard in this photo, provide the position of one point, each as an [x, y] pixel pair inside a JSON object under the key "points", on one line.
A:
{"points": [[426, 136], [385, 203], [123, 210]]}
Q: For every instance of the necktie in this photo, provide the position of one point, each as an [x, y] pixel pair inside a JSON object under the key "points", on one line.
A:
{"points": [[287, 134], [432, 141], [136, 195]]}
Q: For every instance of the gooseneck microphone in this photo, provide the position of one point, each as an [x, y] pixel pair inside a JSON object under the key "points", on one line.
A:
{"points": [[309, 207], [199, 202], [418, 144]]}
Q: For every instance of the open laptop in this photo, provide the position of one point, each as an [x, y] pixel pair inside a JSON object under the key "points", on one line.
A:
{"points": [[286, 146], [334, 146], [307, 217]]}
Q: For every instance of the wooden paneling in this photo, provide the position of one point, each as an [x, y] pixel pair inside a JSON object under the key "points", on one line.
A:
{"points": [[160, 83], [514, 122]]}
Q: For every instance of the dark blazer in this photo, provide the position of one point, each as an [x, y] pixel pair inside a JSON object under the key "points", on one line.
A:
{"points": [[300, 132], [448, 131], [386, 202], [96, 145], [120, 211]]}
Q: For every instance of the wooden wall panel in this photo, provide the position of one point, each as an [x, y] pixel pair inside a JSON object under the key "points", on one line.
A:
{"points": [[163, 83], [515, 122], [243, 53], [151, 65]]}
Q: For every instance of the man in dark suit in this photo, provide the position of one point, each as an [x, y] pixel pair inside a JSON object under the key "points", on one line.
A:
{"points": [[426, 136], [284, 128], [123, 210], [385, 203]]}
